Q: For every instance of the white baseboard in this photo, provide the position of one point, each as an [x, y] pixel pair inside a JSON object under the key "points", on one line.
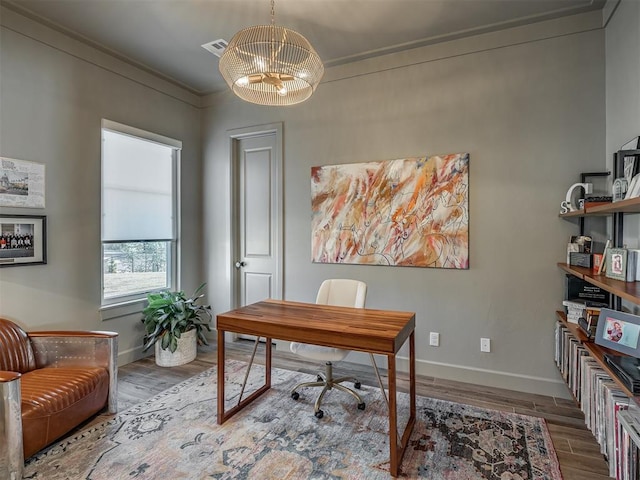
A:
{"points": [[460, 373], [132, 354], [476, 376]]}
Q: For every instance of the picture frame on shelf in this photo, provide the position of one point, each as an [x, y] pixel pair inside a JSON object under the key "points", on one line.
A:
{"points": [[616, 263], [23, 240], [634, 187], [618, 331]]}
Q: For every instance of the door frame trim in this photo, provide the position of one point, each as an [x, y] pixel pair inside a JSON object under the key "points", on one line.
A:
{"points": [[234, 136]]}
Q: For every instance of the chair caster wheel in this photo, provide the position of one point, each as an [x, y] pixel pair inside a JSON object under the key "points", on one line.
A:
{"points": [[361, 406], [319, 379], [319, 414], [295, 395], [357, 385]]}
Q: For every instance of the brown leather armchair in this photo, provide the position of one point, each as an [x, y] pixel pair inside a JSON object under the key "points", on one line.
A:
{"points": [[50, 382]]}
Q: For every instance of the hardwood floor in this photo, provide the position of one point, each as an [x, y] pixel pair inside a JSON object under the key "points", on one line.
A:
{"points": [[577, 450]]}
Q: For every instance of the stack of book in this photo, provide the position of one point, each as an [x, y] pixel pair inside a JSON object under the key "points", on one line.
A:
{"points": [[588, 323], [574, 310], [586, 310]]}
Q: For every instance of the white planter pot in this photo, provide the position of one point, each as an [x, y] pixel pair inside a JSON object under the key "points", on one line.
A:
{"points": [[185, 353]]}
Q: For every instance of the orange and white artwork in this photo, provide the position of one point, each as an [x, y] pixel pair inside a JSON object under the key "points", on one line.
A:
{"points": [[410, 212]]}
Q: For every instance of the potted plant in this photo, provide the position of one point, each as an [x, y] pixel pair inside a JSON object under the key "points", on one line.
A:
{"points": [[175, 324]]}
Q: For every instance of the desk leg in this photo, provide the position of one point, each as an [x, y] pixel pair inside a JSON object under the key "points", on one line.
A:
{"points": [[394, 466], [397, 449], [220, 417], [223, 415]]}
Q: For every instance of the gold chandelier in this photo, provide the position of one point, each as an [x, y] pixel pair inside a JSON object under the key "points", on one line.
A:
{"points": [[271, 65]]}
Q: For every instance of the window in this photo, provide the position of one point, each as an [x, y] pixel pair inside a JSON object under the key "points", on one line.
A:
{"points": [[139, 213]]}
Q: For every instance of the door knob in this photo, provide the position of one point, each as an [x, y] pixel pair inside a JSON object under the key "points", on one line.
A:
{"points": [[241, 264]]}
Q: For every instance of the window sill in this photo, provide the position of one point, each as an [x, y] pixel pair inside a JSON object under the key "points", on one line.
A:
{"points": [[117, 310]]}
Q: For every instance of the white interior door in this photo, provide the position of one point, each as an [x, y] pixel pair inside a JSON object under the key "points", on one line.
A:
{"points": [[257, 260]]}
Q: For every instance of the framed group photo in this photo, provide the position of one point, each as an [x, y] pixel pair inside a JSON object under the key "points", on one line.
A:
{"points": [[23, 240]]}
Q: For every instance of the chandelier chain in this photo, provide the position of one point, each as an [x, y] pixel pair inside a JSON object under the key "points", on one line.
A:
{"points": [[272, 56]]}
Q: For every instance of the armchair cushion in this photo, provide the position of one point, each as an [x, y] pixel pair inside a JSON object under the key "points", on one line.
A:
{"points": [[55, 400]]}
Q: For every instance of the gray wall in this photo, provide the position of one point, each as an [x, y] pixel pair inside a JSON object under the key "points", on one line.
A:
{"points": [[53, 94], [527, 104], [623, 94], [623, 75]]}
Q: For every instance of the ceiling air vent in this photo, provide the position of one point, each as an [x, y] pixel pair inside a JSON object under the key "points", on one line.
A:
{"points": [[216, 46]]}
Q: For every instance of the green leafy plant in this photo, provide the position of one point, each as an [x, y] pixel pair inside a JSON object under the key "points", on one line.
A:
{"points": [[170, 314]]}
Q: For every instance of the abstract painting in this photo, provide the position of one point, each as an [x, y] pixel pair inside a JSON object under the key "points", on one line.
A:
{"points": [[410, 212]]}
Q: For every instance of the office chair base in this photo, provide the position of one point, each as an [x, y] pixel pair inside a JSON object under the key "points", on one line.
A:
{"points": [[327, 383]]}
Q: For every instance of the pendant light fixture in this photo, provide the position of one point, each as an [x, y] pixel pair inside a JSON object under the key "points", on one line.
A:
{"points": [[271, 65]]}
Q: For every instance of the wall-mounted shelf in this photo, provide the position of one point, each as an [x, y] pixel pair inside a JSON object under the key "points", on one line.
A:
{"points": [[628, 290], [597, 352], [631, 205]]}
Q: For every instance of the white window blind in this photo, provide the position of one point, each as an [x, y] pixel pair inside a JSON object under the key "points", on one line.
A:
{"points": [[137, 189]]}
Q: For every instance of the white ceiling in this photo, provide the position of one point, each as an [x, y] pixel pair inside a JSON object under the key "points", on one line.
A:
{"points": [[166, 35]]}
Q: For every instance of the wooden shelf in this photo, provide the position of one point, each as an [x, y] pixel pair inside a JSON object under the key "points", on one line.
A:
{"points": [[576, 213], [597, 352], [628, 290], [631, 205]]}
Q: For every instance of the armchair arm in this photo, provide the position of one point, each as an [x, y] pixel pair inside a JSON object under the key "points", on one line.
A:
{"points": [[74, 333], [65, 349], [8, 376], [11, 454]]}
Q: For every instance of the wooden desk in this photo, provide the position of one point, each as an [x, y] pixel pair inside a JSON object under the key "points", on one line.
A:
{"points": [[375, 331]]}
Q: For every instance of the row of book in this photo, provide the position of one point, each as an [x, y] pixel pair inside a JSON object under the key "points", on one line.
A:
{"points": [[602, 403], [629, 462]]}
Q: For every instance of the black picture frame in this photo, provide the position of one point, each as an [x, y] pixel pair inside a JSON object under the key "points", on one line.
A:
{"points": [[619, 331], [23, 240]]}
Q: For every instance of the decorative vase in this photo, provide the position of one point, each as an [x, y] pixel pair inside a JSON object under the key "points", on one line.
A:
{"points": [[185, 353]]}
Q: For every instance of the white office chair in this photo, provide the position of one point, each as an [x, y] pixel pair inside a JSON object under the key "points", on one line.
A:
{"points": [[339, 292]]}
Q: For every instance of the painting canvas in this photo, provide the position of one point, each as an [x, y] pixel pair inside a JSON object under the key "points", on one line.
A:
{"points": [[407, 212]]}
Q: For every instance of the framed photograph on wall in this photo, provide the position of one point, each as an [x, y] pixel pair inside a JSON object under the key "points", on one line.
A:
{"points": [[23, 240], [21, 183], [618, 331]]}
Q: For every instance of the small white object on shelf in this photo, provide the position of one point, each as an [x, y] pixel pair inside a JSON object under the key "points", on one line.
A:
{"points": [[634, 187], [570, 202]]}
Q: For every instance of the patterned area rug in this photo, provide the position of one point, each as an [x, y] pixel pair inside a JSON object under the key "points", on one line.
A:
{"points": [[175, 436]]}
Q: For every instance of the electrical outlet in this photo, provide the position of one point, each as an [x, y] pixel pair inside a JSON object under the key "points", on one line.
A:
{"points": [[434, 339], [485, 344]]}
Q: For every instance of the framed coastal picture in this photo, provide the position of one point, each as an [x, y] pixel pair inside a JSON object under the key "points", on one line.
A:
{"points": [[23, 240], [410, 212]]}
